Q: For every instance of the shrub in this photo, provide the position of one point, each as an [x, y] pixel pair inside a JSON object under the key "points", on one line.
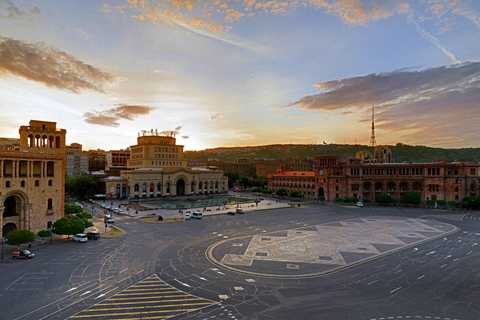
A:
{"points": [[338, 199], [346, 199], [452, 203], [354, 199], [383, 198], [321, 198], [281, 192], [367, 200], [430, 202], [441, 202], [411, 198]]}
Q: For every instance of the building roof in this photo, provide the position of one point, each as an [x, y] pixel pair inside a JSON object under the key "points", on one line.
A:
{"points": [[293, 174]]}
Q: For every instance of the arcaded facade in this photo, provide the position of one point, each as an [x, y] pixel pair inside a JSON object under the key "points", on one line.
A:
{"points": [[32, 179], [157, 168]]}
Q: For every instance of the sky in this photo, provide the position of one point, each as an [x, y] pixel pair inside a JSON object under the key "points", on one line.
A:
{"points": [[224, 73]]}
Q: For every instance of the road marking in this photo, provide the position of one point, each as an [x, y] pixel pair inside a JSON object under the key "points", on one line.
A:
{"points": [[443, 266], [372, 282], [123, 270], [415, 249], [474, 244], [103, 294], [71, 289], [431, 252], [449, 256], [456, 259], [201, 278], [420, 277], [140, 271], [395, 289], [124, 279], [86, 292], [469, 252], [182, 283]]}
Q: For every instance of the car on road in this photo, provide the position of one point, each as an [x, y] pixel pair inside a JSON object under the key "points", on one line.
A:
{"points": [[93, 235], [240, 210], [79, 204], [22, 254], [359, 204], [111, 208], [80, 237], [231, 212], [187, 216], [104, 205], [109, 219], [197, 214], [120, 211]]}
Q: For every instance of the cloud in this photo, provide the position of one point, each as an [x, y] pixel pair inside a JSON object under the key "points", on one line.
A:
{"points": [[10, 11], [50, 66], [435, 104], [218, 116], [111, 116], [185, 137]]}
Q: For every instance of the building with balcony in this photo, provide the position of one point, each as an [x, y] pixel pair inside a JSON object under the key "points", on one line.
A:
{"points": [[32, 178]]}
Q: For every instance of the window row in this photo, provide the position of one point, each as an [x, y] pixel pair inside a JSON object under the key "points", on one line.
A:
{"points": [[8, 183]]}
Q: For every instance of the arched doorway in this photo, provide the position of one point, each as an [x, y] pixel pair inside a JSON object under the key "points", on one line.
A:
{"points": [[11, 207], [8, 227], [321, 192], [180, 187]]}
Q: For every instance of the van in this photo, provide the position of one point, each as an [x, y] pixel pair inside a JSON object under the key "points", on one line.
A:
{"points": [[197, 214], [80, 237], [93, 235]]}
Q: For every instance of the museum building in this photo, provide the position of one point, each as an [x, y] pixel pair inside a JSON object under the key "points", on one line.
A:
{"points": [[32, 178], [157, 168]]}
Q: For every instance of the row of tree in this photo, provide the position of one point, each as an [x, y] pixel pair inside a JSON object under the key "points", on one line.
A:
{"points": [[75, 221]]}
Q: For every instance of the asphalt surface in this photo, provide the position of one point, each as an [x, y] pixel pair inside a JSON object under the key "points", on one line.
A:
{"points": [[159, 271]]}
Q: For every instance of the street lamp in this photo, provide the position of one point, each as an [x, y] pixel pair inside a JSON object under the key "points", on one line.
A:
{"points": [[3, 241]]}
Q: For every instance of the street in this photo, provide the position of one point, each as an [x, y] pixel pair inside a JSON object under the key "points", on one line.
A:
{"points": [[157, 271]]}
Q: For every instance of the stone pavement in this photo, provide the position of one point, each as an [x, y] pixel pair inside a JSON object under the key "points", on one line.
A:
{"points": [[319, 249]]}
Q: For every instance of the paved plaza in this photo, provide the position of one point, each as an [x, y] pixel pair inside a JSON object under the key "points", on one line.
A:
{"points": [[319, 249]]}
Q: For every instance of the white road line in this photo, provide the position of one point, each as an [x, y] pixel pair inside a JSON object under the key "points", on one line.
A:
{"points": [[431, 252], [123, 279], [395, 289], [201, 278], [420, 277], [443, 266], [456, 259], [474, 244], [103, 294], [372, 282], [86, 292], [123, 270], [182, 283], [449, 256], [140, 271], [469, 252], [68, 296]]}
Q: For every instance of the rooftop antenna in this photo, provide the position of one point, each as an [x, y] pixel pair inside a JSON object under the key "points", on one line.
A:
{"points": [[373, 143]]}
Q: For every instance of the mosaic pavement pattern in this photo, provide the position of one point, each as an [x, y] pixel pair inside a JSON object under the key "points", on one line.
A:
{"points": [[323, 248]]}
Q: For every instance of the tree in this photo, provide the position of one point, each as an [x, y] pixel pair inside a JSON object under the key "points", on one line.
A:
{"points": [[296, 194], [72, 208], [338, 199], [68, 226], [346, 199], [81, 186], [281, 192], [430, 202], [245, 182], [18, 237], [354, 199], [85, 216], [470, 202], [452, 203], [367, 200], [383, 198], [43, 234], [411, 198], [232, 176], [321, 198]]}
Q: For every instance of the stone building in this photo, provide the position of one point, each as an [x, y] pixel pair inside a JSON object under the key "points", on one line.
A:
{"points": [[157, 168], [77, 160], [96, 160], [32, 178], [301, 181]]}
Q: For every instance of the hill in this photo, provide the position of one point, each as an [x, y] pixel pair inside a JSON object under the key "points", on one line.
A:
{"points": [[400, 152]]}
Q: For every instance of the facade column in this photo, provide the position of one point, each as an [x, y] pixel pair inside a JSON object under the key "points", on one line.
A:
{"points": [[15, 169], [1, 168]]}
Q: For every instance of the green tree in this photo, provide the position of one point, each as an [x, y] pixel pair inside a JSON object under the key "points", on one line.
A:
{"points": [[245, 182], [296, 194], [81, 186], [470, 202], [383, 198], [452, 203], [367, 200], [441, 202], [68, 226], [411, 198], [43, 234], [85, 216], [354, 199], [346, 199], [281, 192], [430, 202], [18, 237], [72, 208], [232, 176], [338, 199], [321, 198]]}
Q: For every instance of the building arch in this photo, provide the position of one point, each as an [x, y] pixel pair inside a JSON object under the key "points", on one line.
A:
{"points": [[180, 187], [321, 192], [8, 227]]}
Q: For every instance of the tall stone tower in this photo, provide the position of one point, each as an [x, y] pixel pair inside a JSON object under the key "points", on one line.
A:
{"points": [[373, 143]]}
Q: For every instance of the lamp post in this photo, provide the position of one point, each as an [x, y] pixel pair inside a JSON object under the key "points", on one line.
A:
{"points": [[3, 241]]}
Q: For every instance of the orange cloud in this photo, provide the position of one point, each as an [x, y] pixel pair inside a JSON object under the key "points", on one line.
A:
{"points": [[111, 116], [49, 66]]}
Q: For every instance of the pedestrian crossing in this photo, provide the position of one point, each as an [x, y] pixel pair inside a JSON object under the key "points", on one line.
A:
{"points": [[149, 299]]}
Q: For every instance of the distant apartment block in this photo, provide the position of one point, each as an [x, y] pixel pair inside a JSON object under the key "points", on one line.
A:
{"points": [[77, 160]]}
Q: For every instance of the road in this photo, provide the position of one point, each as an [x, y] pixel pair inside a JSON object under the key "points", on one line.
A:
{"points": [[157, 271]]}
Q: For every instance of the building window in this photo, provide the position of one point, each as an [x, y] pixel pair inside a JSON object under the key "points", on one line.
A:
{"points": [[7, 184], [37, 183], [22, 183], [50, 204], [50, 183], [472, 172]]}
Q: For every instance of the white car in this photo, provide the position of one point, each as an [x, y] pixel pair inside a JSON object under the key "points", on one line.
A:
{"points": [[187, 216], [104, 205], [79, 204], [109, 220], [197, 214], [120, 211], [80, 237], [359, 204]]}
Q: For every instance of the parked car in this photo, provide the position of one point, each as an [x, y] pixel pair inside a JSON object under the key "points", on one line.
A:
{"points": [[197, 214], [79, 204], [23, 254], [93, 235], [187, 216], [109, 219], [111, 208], [115, 210], [359, 204], [231, 212], [104, 205], [120, 211], [240, 210], [80, 237]]}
